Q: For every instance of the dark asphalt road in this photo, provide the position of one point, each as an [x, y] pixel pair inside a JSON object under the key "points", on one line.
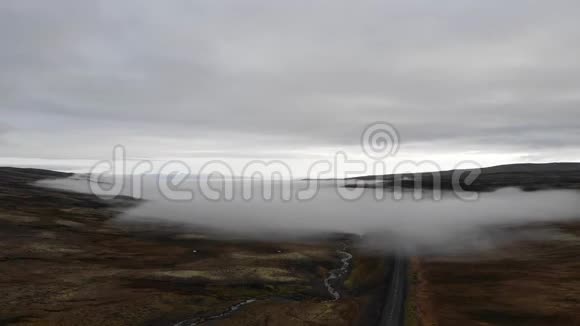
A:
{"points": [[394, 310]]}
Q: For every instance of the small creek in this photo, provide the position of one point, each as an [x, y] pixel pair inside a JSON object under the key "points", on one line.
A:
{"points": [[231, 310], [337, 274]]}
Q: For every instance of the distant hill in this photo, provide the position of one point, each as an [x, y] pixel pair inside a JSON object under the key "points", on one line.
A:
{"points": [[17, 187], [535, 168], [528, 177], [11, 174]]}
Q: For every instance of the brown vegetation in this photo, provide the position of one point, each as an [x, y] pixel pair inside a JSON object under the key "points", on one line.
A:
{"points": [[531, 283], [64, 262]]}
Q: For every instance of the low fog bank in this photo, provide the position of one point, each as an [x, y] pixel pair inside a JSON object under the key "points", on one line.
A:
{"points": [[409, 226]]}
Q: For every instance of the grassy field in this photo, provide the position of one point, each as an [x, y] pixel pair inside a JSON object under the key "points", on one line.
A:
{"points": [[529, 283]]}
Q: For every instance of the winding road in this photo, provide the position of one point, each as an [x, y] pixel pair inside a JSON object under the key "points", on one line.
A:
{"points": [[394, 310]]}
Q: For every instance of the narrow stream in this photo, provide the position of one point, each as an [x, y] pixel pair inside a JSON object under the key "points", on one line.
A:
{"points": [[231, 310], [337, 274]]}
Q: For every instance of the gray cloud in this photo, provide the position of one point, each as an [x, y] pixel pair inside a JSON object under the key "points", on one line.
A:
{"points": [[258, 75]]}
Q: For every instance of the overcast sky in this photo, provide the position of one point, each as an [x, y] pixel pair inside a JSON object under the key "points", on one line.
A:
{"points": [[494, 81]]}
